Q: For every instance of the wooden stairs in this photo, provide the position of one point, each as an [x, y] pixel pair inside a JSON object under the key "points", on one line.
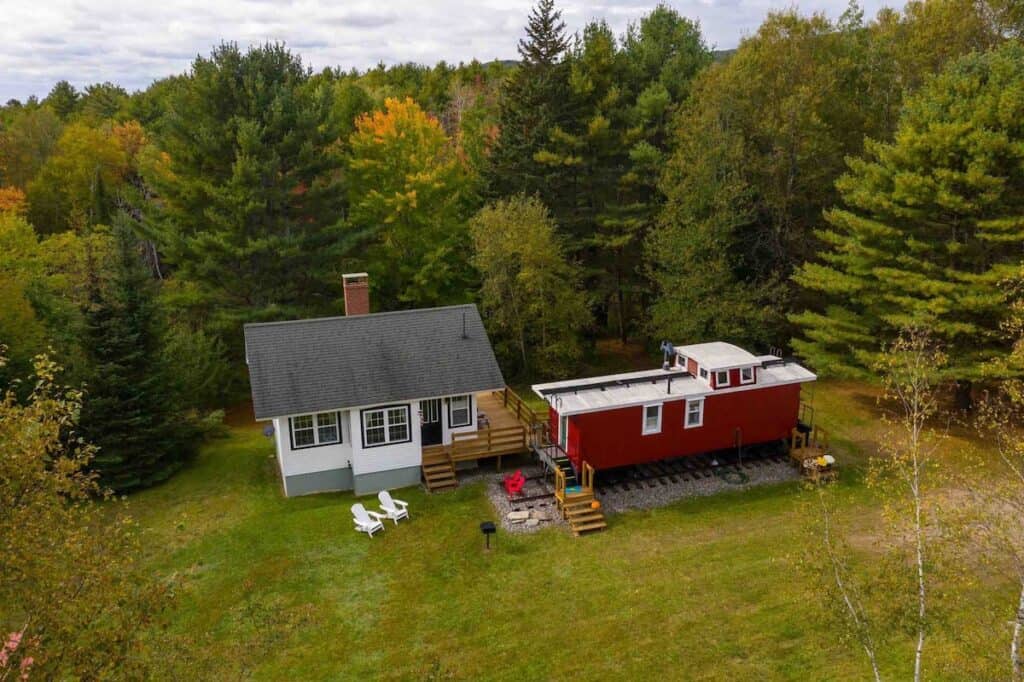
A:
{"points": [[577, 502], [438, 470], [581, 515]]}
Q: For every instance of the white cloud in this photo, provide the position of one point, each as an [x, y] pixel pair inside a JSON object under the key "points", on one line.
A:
{"points": [[133, 43]]}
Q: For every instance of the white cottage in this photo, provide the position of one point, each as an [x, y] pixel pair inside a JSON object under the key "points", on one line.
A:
{"points": [[354, 399]]}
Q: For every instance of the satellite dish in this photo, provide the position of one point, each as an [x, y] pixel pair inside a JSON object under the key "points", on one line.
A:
{"points": [[268, 430]]}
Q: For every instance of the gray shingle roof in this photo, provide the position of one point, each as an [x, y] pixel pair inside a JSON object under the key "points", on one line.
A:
{"points": [[338, 362]]}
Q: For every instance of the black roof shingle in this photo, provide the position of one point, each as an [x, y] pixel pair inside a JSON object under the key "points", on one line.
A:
{"points": [[340, 362]]}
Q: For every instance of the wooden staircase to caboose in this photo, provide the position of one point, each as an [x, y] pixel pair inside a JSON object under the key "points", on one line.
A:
{"points": [[577, 502], [438, 469]]}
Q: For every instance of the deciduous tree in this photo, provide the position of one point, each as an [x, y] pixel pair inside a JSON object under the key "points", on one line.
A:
{"points": [[69, 574], [531, 297], [75, 186], [408, 193]]}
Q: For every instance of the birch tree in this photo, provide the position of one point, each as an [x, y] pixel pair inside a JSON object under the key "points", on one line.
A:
{"points": [[893, 596], [995, 517]]}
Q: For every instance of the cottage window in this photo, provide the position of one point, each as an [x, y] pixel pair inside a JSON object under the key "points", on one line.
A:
{"points": [[459, 413], [385, 426], [747, 375], [311, 430], [721, 378], [652, 419], [694, 413]]}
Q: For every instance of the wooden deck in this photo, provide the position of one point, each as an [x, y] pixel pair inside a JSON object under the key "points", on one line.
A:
{"points": [[507, 427]]}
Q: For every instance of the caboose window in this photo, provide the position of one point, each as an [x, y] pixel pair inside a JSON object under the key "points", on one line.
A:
{"points": [[652, 419], [747, 375], [694, 413], [721, 378]]}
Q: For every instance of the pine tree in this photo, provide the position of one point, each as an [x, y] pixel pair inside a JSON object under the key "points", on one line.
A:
{"points": [[534, 103], [932, 224], [142, 439], [63, 99], [614, 148], [251, 211]]}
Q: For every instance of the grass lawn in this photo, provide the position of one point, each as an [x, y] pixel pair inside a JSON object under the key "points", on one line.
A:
{"points": [[274, 588]]}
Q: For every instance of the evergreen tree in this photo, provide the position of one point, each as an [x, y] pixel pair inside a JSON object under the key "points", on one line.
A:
{"points": [[614, 148], [534, 103], [251, 210], [932, 223], [63, 99], [141, 435]]}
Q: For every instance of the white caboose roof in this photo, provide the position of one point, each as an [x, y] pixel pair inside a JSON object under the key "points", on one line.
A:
{"points": [[718, 355], [659, 385]]}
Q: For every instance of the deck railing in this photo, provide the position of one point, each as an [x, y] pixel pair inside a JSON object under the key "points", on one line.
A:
{"points": [[536, 425], [488, 443]]}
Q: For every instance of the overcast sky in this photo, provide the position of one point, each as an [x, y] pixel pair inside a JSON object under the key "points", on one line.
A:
{"points": [[135, 42]]}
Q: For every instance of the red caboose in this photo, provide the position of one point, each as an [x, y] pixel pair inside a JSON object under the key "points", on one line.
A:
{"points": [[707, 397]]}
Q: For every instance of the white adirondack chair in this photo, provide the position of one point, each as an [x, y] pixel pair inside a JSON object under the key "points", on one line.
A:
{"points": [[392, 508], [366, 521]]}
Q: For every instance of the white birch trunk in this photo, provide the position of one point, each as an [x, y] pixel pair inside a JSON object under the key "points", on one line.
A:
{"points": [[1016, 657]]}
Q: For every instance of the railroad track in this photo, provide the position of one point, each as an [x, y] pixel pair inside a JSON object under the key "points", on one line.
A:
{"points": [[681, 469], [663, 472]]}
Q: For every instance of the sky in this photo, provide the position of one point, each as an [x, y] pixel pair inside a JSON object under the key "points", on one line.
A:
{"points": [[134, 42]]}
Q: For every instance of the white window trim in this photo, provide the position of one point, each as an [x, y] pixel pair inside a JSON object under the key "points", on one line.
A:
{"points": [[686, 414], [315, 416], [563, 432], [643, 423], [702, 372], [681, 361], [386, 410], [451, 411], [718, 376], [747, 369]]}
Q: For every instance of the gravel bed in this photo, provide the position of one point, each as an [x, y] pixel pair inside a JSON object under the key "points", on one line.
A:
{"points": [[543, 511], [648, 497], [614, 499]]}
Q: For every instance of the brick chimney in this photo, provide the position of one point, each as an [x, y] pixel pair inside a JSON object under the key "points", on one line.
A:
{"points": [[357, 293]]}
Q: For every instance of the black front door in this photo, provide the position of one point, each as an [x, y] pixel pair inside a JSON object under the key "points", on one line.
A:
{"points": [[430, 431]]}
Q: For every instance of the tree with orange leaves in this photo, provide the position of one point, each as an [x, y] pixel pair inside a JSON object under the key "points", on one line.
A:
{"points": [[12, 200], [410, 199]]}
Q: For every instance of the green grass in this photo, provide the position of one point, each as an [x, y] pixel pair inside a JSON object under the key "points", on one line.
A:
{"points": [[277, 588]]}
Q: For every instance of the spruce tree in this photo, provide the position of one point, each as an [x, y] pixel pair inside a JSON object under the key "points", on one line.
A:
{"points": [[534, 103], [932, 224], [142, 439]]}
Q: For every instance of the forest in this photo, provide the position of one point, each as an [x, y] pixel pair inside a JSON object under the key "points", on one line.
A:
{"points": [[825, 187]]}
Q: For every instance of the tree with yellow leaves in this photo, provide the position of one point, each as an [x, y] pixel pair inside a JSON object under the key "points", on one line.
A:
{"points": [[409, 200]]}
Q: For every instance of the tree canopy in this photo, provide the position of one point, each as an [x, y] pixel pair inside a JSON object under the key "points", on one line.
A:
{"points": [[931, 224]]}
